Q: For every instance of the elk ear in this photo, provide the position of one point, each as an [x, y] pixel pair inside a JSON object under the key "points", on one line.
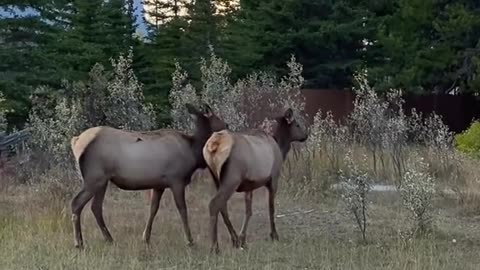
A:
{"points": [[288, 115], [191, 109], [208, 111]]}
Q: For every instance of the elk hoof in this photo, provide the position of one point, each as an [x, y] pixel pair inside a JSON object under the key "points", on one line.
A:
{"points": [[236, 242], [79, 245], [215, 250], [274, 236], [146, 240], [190, 244], [243, 242], [109, 240]]}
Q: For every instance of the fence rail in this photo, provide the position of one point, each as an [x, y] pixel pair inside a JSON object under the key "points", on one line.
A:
{"points": [[10, 142]]}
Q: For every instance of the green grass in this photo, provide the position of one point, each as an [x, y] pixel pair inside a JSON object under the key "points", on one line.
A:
{"points": [[36, 233]]}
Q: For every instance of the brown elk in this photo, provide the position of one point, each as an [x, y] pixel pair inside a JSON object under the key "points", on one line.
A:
{"points": [[245, 161], [154, 160]]}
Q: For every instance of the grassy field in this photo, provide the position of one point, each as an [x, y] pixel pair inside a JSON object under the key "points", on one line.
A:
{"points": [[36, 233]]}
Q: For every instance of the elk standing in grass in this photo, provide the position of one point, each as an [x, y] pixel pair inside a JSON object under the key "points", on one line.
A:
{"points": [[246, 161], [139, 160]]}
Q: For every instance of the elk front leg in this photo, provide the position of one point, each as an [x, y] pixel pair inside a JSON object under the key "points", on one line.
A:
{"points": [[97, 209], [271, 206]]}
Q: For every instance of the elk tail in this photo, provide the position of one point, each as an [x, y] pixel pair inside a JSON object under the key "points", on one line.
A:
{"points": [[81, 145], [216, 151], [73, 141]]}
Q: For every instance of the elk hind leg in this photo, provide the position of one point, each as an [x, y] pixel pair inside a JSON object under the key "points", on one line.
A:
{"points": [[77, 205], [248, 214], [225, 215], [217, 204], [97, 209], [154, 205]]}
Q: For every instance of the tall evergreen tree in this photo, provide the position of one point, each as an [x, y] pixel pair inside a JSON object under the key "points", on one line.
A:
{"points": [[201, 33], [95, 31], [237, 43], [326, 36], [120, 26], [429, 46], [21, 37], [58, 39], [166, 44]]}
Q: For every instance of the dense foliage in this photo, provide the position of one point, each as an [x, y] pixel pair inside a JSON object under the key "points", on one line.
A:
{"points": [[469, 140], [417, 45]]}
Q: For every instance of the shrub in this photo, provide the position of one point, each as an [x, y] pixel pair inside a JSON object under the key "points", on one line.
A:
{"points": [[329, 139], [180, 94], [51, 133], [356, 186], [468, 141], [93, 95], [380, 125], [125, 105], [219, 92], [244, 104], [417, 193]]}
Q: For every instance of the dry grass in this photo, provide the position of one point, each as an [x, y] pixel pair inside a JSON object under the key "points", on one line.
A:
{"points": [[36, 233]]}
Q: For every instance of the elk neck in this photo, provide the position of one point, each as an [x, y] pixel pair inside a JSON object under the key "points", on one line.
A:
{"points": [[203, 131], [282, 137]]}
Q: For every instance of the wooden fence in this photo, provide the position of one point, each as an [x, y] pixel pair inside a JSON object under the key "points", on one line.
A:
{"points": [[456, 111], [9, 143]]}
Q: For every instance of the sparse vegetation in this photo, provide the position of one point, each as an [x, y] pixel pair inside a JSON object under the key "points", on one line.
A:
{"points": [[356, 185], [417, 192]]}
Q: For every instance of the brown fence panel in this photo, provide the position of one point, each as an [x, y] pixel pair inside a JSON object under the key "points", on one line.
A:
{"points": [[456, 111], [339, 102]]}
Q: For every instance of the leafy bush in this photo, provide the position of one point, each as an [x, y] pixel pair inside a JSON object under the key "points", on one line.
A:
{"points": [[51, 133], [417, 193], [180, 94], [469, 141]]}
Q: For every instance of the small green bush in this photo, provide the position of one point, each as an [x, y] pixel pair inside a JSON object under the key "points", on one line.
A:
{"points": [[469, 141]]}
